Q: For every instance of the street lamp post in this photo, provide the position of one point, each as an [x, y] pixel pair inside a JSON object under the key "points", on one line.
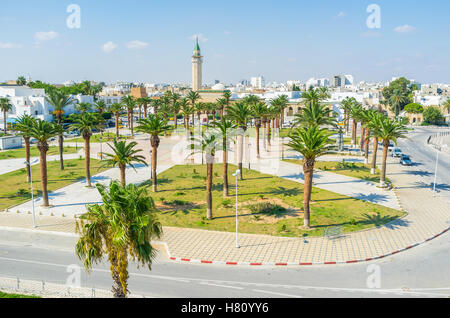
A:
{"points": [[249, 144], [32, 194], [436, 169], [236, 174]]}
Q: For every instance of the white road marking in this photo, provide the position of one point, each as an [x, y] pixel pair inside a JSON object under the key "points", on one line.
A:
{"points": [[217, 285], [278, 294], [188, 280]]}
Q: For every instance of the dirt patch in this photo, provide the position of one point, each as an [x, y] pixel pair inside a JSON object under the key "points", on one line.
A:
{"points": [[261, 218]]}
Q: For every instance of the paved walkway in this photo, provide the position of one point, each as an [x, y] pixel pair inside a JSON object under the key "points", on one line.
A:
{"points": [[9, 165], [427, 218]]}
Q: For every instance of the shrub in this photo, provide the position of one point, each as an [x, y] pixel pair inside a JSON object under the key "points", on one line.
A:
{"points": [[267, 208], [226, 203], [179, 193]]}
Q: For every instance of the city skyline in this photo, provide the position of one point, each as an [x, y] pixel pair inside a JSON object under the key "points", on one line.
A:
{"points": [[153, 41]]}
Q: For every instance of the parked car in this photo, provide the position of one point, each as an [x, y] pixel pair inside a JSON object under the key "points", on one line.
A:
{"points": [[405, 160], [397, 153]]}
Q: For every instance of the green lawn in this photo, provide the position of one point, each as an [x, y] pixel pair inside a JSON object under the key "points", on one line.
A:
{"points": [[350, 169], [7, 295], [96, 138], [34, 152], [15, 189], [182, 203]]}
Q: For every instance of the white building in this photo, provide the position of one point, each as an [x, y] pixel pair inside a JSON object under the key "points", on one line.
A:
{"points": [[258, 82], [30, 101]]}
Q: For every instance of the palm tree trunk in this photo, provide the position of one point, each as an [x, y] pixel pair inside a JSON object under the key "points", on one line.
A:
{"points": [[374, 157], [122, 175], [361, 141], [117, 288], [355, 126], [145, 111], [175, 114], [308, 170], [209, 176], [117, 125], [225, 167], [87, 160], [43, 148], [131, 123], [258, 155], [366, 147], [27, 157], [154, 166], [4, 122], [60, 144], [383, 167], [140, 112], [268, 133]]}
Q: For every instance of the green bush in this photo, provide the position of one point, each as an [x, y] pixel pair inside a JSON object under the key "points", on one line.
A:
{"points": [[267, 208]]}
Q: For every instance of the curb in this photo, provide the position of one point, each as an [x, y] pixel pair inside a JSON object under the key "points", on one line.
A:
{"points": [[230, 263]]}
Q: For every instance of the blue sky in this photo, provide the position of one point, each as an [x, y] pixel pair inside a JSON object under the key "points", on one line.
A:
{"points": [[281, 40]]}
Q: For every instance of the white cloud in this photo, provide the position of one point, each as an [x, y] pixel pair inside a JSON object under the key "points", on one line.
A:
{"points": [[9, 45], [227, 32], [201, 37], [404, 28], [136, 45], [292, 59], [45, 36], [341, 14], [108, 47]]}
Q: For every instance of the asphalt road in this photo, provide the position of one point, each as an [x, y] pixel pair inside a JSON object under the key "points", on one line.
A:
{"points": [[424, 161], [419, 272]]}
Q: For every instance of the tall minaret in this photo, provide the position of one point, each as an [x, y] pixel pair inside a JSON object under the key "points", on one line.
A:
{"points": [[197, 61]]}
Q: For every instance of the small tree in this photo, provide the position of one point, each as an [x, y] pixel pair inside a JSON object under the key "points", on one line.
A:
{"points": [[312, 142], [122, 229], [154, 125], [5, 107], [122, 156], [85, 124], [433, 116], [414, 108], [24, 125]]}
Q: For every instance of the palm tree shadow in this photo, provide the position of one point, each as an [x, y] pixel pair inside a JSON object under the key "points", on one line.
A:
{"points": [[390, 222]]}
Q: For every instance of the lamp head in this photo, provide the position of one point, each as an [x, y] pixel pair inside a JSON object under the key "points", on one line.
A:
{"points": [[237, 173]]}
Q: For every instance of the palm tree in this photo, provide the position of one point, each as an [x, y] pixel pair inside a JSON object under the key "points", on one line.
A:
{"points": [[59, 100], [5, 107], [221, 104], [100, 106], [116, 108], [208, 143], [154, 125], [21, 81], [365, 117], [121, 228], [387, 129], [354, 112], [156, 104], [241, 113], [371, 125], [42, 131], [145, 102], [199, 108], [312, 142], [227, 96], [186, 111], [174, 97], [347, 104], [83, 107], [85, 124], [258, 112], [447, 108], [193, 97], [396, 101], [226, 128], [130, 103], [122, 156], [24, 124], [314, 114]]}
